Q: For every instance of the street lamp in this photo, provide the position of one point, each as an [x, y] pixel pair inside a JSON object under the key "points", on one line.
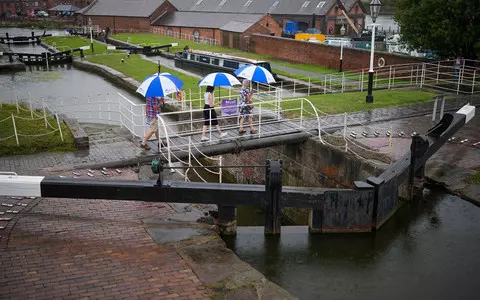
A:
{"points": [[342, 33], [374, 11]]}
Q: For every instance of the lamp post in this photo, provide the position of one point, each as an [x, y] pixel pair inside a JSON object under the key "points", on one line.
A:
{"points": [[91, 33], [342, 33], [374, 11]]}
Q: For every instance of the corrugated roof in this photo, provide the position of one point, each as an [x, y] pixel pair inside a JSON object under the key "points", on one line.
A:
{"points": [[130, 8], [237, 26], [64, 7], [207, 20], [274, 7]]}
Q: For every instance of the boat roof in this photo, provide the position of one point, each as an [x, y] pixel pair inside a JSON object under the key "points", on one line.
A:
{"points": [[227, 56]]}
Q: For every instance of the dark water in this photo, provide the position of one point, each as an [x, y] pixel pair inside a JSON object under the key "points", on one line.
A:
{"points": [[429, 250]]}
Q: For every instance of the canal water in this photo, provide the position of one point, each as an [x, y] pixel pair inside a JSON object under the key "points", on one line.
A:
{"points": [[428, 250]]}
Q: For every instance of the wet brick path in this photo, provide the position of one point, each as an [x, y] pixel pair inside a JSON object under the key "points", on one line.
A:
{"points": [[88, 249]]}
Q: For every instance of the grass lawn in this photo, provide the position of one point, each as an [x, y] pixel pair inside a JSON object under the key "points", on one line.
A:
{"points": [[156, 40], [29, 145], [64, 43], [355, 101], [475, 179], [139, 68]]}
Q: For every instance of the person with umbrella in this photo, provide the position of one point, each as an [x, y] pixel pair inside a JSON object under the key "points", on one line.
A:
{"points": [[154, 88], [246, 106], [209, 113]]}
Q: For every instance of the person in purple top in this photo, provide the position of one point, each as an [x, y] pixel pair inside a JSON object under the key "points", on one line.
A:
{"points": [[152, 109]]}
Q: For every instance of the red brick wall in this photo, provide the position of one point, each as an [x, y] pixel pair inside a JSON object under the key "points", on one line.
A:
{"points": [[121, 24], [204, 32], [322, 55], [273, 25]]}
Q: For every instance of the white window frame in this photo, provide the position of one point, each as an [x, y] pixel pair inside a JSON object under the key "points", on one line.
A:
{"points": [[222, 3], [248, 3], [321, 4], [305, 4]]}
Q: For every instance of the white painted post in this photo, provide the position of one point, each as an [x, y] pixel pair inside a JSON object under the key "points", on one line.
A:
{"points": [[301, 113], [16, 103], [473, 81], [458, 82], [345, 131], [15, 130], [59, 127], [434, 113], [220, 163], [422, 78], [343, 82], [361, 80], [389, 76], [31, 108], [44, 114], [416, 77], [260, 120], [309, 82], [442, 108], [330, 84], [438, 70], [294, 88], [411, 76], [325, 85], [109, 112]]}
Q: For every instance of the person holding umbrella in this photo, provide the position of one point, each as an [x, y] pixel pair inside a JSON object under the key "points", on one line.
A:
{"points": [[210, 115], [246, 106], [152, 109], [154, 88]]}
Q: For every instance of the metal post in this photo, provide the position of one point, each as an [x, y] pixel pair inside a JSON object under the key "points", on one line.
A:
{"points": [[438, 70], [325, 85], [309, 82], [369, 98], [434, 113], [260, 120], [301, 113], [459, 80], [220, 163], [422, 78], [473, 81], [361, 80], [273, 190], [343, 82], [411, 76], [44, 114], [59, 128], [293, 88], [91, 38], [15, 130], [389, 76]]}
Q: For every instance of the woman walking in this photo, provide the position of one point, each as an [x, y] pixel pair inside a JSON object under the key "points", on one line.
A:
{"points": [[210, 115], [246, 106]]}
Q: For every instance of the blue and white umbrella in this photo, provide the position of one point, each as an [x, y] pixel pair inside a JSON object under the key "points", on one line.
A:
{"points": [[159, 85], [219, 79], [255, 73]]}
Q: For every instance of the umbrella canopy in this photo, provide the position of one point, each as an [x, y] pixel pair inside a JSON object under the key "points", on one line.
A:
{"points": [[255, 73], [219, 79], [159, 85]]}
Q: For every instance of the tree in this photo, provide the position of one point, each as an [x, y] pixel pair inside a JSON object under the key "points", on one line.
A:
{"points": [[451, 27]]}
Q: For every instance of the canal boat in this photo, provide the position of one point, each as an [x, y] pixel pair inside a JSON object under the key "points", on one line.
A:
{"points": [[204, 62]]}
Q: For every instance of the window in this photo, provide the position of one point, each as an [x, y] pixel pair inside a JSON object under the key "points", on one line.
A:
{"points": [[192, 56], [196, 35], [199, 2], [215, 61], [205, 59], [230, 64], [248, 3], [305, 4], [321, 4], [222, 3], [169, 32]]}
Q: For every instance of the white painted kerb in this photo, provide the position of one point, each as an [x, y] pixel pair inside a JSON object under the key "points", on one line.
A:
{"points": [[469, 112], [23, 186]]}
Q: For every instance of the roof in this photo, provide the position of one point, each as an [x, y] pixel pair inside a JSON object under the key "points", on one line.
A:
{"points": [[226, 21], [64, 7], [130, 8], [273, 7]]}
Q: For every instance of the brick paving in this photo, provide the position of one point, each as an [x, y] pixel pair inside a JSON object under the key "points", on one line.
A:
{"points": [[89, 249]]}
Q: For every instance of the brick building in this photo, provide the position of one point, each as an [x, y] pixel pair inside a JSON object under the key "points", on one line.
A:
{"points": [[324, 15], [125, 15], [228, 29], [10, 7]]}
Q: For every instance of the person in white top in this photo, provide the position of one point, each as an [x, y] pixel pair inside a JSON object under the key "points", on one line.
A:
{"points": [[210, 115]]}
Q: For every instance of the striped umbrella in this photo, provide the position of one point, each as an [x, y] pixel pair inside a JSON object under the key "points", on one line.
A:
{"points": [[255, 73], [159, 85]]}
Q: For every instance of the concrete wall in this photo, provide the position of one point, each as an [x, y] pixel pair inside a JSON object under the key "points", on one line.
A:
{"points": [[322, 55], [312, 164]]}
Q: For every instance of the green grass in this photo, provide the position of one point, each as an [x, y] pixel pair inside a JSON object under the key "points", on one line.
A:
{"points": [[355, 101], [156, 40], [64, 43], [475, 179], [30, 145], [138, 68]]}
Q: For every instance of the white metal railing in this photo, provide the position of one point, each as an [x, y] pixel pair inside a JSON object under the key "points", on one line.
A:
{"points": [[183, 36]]}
